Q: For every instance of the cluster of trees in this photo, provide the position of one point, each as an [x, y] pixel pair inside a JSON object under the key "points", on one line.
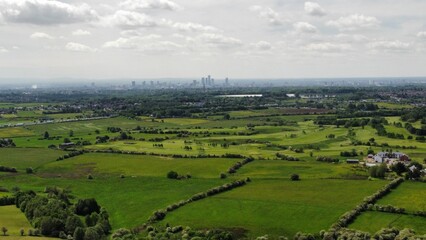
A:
{"points": [[6, 200], [327, 159], [378, 171], [102, 139], [416, 131], [54, 216], [161, 214], [177, 232], [362, 107], [113, 129], [8, 169], [70, 155], [238, 165], [352, 153], [175, 175], [5, 142], [286, 157], [414, 115]]}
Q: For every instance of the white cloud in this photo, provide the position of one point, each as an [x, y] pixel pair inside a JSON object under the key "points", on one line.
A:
{"points": [[78, 47], [421, 34], [262, 46], [41, 35], [220, 41], [80, 32], [136, 5], [45, 12], [354, 21], [130, 42], [268, 14], [192, 27], [148, 44], [314, 9], [3, 50], [389, 45], [328, 47], [304, 27], [128, 20]]}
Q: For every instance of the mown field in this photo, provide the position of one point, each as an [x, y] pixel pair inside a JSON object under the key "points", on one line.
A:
{"points": [[132, 187]]}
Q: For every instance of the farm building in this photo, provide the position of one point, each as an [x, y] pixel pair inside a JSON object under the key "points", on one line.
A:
{"points": [[352, 161]]}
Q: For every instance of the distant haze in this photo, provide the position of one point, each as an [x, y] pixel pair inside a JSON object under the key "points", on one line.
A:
{"points": [[186, 39]]}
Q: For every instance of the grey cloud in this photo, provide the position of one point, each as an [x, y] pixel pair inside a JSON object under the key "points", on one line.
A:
{"points": [[44, 12]]}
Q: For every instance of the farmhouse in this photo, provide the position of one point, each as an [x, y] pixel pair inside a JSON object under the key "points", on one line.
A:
{"points": [[390, 158]]}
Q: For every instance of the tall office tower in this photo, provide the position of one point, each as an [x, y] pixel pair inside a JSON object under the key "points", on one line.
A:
{"points": [[133, 84], [226, 81]]}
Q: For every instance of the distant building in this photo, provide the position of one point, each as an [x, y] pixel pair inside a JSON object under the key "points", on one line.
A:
{"points": [[66, 145], [352, 161], [133, 84]]}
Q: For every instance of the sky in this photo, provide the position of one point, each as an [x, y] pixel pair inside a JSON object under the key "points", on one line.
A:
{"points": [[224, 38]]}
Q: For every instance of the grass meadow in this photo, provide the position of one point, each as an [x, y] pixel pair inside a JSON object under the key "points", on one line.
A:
{"points": [[270, 204]]}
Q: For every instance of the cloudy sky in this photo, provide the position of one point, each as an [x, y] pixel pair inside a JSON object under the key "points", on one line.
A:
{"points": [[193, 38]]}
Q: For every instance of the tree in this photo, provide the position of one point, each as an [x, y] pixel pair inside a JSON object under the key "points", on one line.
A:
{"points": [[4, 230], [78, 234], [72, 223], [91, 234], [378, 171], [226, 116], [67, 140], [22, 232], [294, 177], [399, 168], [71, 134], [46, 135], [30, 170], [172, 175], [86, 206]]}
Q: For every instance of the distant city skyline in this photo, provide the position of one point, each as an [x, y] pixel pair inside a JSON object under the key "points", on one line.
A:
{"points": [[143, 39]]}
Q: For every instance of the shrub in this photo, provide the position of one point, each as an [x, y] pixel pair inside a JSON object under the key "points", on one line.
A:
{"points": [[172, 175], [294, 177]]}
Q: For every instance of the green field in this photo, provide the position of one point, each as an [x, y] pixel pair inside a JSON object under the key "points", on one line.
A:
{"points": [[135, 165], [270, 204], [410, 195], [277, 207], [22, 158], [14, 220], [374, 221]]}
